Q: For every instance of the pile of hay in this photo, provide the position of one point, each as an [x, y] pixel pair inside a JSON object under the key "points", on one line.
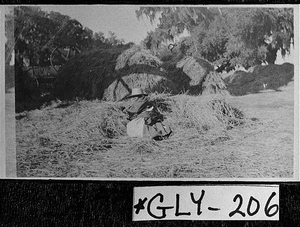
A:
{"points": [[193, 75], [175, 74], [274, 76], [214, 84], [195, 68], [110, 74], [55, 141], [150, 83], [202, 113], [136, 55], [87, 75], [84, 138], [137, 67]]}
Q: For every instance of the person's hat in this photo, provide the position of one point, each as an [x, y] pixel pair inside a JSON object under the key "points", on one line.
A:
{"points": [[135, 92]]}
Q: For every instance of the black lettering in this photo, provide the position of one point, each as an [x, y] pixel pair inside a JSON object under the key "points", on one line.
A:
{"points": [[198, 202], [268, 209], [161, 199], [213, 209], [140, 205], [177, 213], [249, 206], [237, 210]]}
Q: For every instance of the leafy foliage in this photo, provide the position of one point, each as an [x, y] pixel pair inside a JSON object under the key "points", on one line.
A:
{"points": [[227, 37], [37, 31], [35, 35], [172, 22]]}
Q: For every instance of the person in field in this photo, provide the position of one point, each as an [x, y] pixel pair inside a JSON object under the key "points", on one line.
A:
{"points": [[144, 118]]}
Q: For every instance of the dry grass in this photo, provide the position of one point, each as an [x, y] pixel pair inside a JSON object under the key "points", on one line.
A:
{"points": [[268, 148], [214, 136], [88, 139]]}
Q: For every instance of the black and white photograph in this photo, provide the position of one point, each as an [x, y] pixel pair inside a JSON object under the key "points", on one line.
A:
{"points": [[152, 92]]}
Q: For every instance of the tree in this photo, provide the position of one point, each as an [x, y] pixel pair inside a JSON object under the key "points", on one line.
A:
{"points": [[227, 37], [36, 31], [155, 40], [254, 35], [174, 20], [73, 33], [99, 40], [30, 31], [113, 40]]}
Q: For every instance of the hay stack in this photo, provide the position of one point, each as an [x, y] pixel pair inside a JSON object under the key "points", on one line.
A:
{"points": [[110, 74], [137, 67], [195, 68], [274, 76], [88, 138], [214, 84], [175, 74], [88, 74], [136, 55], [193, 75], [255, 69], [148, 82], [202, 113]]}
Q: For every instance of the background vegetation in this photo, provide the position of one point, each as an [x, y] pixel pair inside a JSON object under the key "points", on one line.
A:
{"points": [[226, 37], [77, 129]]}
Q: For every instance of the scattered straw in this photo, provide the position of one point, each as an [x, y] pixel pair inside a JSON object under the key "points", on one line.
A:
{"points": [[86, 138], [211, 138]]}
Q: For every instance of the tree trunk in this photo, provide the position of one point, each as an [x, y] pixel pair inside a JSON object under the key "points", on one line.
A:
{"points": [[271, 54]]}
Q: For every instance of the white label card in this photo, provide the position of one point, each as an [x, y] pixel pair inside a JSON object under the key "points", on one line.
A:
{"points": [[240, 202]]}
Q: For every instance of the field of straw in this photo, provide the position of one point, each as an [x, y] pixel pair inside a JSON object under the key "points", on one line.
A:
{"points": [[213, 137]]}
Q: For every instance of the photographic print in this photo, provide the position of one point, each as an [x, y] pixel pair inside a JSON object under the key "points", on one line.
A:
{"points": [[151, 92]]}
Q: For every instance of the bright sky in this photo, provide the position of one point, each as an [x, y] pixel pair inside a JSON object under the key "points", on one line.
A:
{"points": [[120, 19]]}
